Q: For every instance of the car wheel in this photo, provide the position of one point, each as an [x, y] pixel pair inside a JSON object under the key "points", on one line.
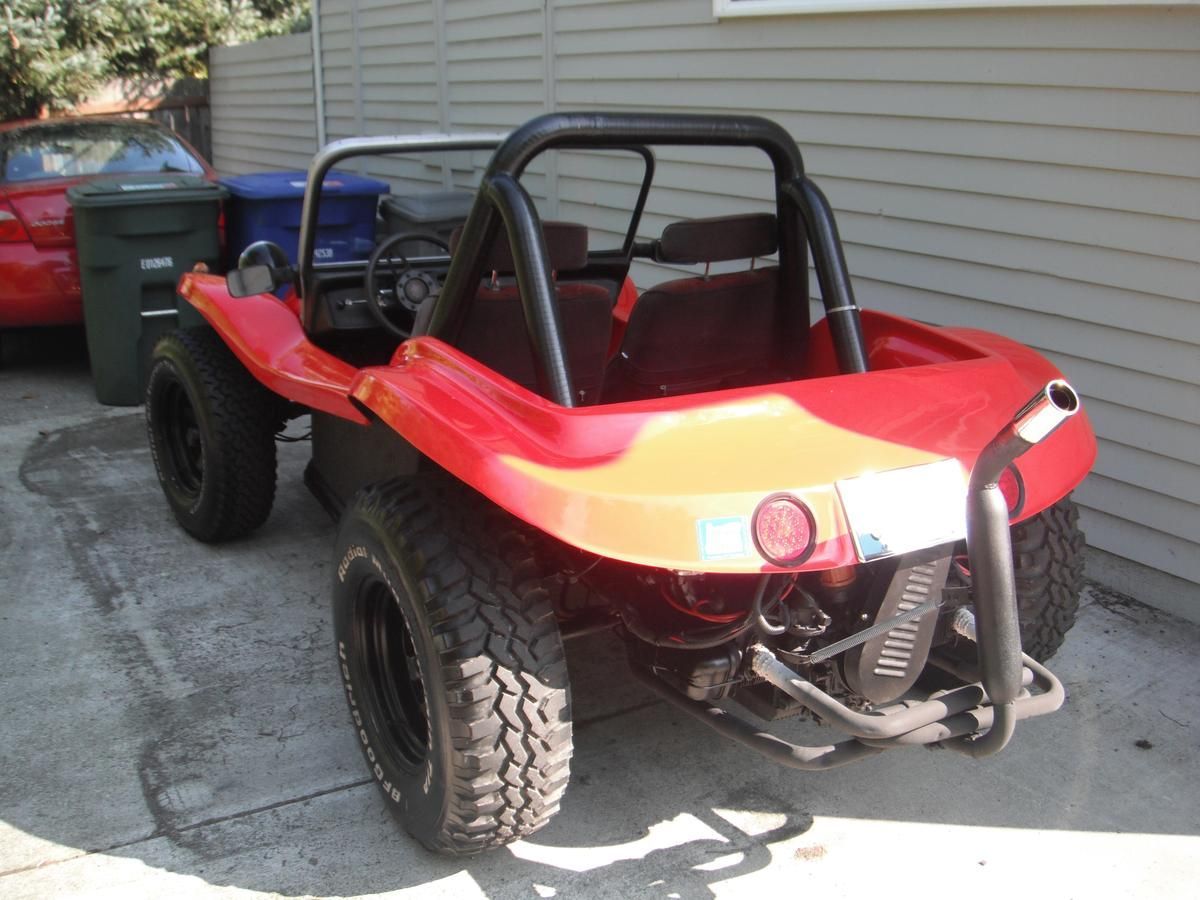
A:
{"points": [[212, 434], [1048, 566], [453, 666]]}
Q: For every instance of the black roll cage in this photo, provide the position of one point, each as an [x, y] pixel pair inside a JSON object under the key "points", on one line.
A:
{"points": [[802, 209]]}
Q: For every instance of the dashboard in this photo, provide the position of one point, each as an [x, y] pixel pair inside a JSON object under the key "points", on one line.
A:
{"points": [[341, 294]]}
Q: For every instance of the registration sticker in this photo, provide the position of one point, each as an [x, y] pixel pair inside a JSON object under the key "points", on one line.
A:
{"points": [[900, 510], [723, 538]]}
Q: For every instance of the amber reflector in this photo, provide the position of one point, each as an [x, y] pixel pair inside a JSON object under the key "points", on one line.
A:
{"points": [[1012, 489]]}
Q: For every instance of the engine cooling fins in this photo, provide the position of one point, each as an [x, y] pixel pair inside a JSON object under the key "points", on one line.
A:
{"points": [[883, 668]]}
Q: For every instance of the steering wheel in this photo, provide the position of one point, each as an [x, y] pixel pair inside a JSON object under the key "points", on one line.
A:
{"points": [[409, 287]]}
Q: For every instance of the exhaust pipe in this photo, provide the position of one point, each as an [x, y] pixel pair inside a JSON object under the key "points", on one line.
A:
{"points": [[989, 548]]}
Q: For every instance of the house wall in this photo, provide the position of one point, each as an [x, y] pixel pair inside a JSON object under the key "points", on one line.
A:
{"points": [[263, 110], [1033, 172]]}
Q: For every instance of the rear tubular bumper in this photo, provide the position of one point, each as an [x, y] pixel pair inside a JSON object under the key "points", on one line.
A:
{"points": [[978, 718]]}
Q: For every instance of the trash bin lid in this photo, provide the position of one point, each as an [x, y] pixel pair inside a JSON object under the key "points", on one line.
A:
{"points": [[142, 190], [434, 206], [289, 185]]}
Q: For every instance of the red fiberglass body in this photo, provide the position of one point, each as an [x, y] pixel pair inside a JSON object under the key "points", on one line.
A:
{"points": [[769, 511], [635, 481]]}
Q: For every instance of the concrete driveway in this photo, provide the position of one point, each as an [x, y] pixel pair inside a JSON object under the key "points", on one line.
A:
{"points": [[171, 725]]}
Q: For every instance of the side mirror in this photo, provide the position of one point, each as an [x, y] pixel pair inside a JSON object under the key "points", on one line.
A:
{"points": [[250, 281], [262, 268]]}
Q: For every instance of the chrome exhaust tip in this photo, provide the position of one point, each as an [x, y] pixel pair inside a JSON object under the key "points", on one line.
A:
{"points": [[1045, 411]]}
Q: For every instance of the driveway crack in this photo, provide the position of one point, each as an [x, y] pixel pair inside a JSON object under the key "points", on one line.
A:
{"points": [[183, 829]]}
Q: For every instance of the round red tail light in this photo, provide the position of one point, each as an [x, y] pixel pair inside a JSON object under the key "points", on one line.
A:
{"points": [[784, 530]]}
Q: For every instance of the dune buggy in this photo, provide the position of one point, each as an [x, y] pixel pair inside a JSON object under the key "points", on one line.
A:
{"points": [[863, 519]]}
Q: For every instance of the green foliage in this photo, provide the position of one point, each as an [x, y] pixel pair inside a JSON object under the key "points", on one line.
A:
{"points": [[45, 55], [172, 37], [52, 52]]}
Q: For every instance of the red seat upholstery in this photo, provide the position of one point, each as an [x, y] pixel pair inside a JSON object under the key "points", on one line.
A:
{"points": [[495, 333], [707, 332]]}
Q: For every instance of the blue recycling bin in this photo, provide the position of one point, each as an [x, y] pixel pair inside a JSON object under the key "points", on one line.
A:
{"points": [[266, 206]]}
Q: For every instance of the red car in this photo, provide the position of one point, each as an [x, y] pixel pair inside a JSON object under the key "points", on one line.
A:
{"points": [[39, 161]]}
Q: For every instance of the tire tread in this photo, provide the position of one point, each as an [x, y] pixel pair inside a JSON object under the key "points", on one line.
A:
{"points": [[1048, 566], [502, 661]]}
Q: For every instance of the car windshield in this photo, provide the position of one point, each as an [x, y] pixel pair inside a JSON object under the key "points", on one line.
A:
{"points": [[91, 148]]}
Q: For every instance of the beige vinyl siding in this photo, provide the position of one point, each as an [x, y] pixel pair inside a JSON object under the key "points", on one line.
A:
{"points": [[495, 75], [494, 66], [386, 81], [471, 65], [1035, 172], [263, 112], [339, 65]]}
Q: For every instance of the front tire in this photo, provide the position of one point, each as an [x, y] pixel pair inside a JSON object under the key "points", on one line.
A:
{"points": [[453, 665], [212, 434]]}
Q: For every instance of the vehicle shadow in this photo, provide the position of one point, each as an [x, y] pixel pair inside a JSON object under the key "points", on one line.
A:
{"points": [[199, 728], [62, 348]]}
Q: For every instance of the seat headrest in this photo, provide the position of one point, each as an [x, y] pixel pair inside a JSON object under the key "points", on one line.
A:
{"points": [[718, 239], [566, 243]]}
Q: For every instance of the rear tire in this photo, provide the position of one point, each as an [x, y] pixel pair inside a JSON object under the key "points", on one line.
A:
{"points": [[452, 663], [1048, 565], [212, 434]]}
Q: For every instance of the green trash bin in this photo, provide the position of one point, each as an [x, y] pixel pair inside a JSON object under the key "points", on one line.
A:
{"points": [[135, 236]]}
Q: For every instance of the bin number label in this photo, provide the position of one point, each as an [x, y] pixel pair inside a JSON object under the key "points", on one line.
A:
{"points": [[153, 263], [323, 253]]}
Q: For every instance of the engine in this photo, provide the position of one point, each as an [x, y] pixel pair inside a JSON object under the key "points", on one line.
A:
{"points": [[862, 633]]}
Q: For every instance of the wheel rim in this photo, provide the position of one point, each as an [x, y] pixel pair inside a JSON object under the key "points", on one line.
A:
{"points": [[395, 693], [182, 440]]}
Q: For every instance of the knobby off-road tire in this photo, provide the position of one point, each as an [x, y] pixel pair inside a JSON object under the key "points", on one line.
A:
{"points": [[1048, 565], [212, 434], [452, 664]]}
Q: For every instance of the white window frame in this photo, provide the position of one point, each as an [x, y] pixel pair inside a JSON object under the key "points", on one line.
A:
{"points": [[729, 9]]}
